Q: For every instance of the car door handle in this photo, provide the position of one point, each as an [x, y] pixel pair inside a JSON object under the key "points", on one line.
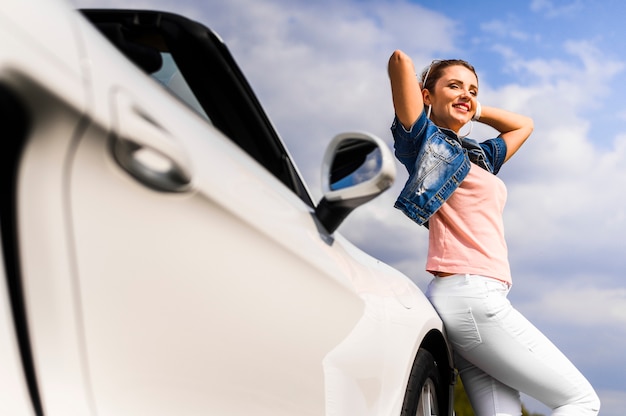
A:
{"points": [[146, 150]]}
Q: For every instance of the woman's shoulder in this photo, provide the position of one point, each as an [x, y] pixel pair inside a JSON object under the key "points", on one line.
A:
{"points": [[421, 129]]}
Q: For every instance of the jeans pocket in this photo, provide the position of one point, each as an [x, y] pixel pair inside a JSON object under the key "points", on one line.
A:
{"points": [[462, 329]]}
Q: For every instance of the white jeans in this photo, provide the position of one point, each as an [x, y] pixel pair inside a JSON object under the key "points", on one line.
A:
{"points": [[499, 353]]}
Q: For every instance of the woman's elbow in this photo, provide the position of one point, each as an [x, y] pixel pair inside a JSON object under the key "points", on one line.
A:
{"points": [[530, 125], [399, 59], [397, 55]]}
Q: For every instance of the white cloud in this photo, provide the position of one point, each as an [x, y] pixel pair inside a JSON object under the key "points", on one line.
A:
{"points": [[551, 10], [580, 304], [505, 29]]}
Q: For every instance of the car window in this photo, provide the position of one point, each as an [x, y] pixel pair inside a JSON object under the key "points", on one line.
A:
{"points": [[170, 77], [195, 66]]}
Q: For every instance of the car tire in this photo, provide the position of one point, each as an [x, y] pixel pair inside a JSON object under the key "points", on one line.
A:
{"points": [[424, 393]]}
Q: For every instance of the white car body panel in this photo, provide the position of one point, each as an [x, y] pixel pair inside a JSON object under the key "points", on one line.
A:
{"points": [[58, 97], [14, 395], [227, 298]]}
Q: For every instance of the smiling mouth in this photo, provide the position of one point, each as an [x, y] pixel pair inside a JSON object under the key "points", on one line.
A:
{"points": [[462, 106]]}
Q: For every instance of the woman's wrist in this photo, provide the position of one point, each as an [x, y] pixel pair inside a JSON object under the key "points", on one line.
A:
{"points": [[478, 111]]}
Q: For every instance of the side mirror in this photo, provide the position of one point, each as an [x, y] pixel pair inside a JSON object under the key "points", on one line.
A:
{"points": [[357, 167]]}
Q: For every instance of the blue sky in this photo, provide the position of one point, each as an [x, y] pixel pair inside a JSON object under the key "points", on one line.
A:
{"points": [[319, 68]]}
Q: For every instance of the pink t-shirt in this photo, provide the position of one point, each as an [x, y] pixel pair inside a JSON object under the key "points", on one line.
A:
{"points": [[467, 232]]}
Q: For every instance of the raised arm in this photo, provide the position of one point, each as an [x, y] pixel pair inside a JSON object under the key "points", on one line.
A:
{"points": [[405, 89], [514, 128]]}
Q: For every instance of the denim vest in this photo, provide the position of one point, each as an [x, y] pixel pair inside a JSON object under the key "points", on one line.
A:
{"points": [[437, 161]]}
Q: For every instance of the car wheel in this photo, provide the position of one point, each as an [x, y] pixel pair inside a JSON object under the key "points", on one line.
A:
{"points": [[423, 393]]}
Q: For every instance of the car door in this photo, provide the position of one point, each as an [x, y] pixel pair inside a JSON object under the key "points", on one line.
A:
{"points": [[205, 285], [160, 252]]}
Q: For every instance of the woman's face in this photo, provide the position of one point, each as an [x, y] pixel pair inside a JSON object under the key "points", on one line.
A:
{"points": [[454, 98]]}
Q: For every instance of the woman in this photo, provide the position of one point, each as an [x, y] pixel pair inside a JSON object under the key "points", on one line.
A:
{"points": [[452, 189]]}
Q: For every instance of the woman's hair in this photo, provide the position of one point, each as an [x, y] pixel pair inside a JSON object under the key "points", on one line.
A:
{"points": [[434, 71]]}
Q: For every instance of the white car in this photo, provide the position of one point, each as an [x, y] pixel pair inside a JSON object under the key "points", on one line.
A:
{"points": [[161, 254]]}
